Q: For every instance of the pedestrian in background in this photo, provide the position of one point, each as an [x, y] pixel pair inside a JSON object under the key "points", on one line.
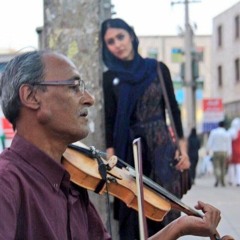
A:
{"points": [[219, 144], [234, 163], [193, 148], [135, 107]]}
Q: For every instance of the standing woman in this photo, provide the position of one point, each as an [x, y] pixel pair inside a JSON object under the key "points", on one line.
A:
{"points": [[134, 107]]}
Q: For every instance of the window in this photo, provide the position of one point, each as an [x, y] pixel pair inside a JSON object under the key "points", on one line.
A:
{"points": [[177, 55], [237, 27], [237, 70], [219, 35], [219, 76], [152, 53]]}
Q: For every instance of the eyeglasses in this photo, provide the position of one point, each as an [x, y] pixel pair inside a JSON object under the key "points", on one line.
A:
{"points": [[70, 82]]}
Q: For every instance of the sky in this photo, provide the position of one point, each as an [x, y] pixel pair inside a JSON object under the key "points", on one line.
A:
{"points": [[18, 22], [20, 18], [160, 17]]}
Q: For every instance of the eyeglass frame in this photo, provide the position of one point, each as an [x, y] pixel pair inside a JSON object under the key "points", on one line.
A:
{"points": [[69, 82]]}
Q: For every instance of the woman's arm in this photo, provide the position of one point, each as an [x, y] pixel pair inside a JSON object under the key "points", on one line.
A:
{"points": [[176, 114], [184, 162]]}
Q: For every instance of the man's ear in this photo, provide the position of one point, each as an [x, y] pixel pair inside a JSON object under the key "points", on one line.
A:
{"points": [[27, 95]]}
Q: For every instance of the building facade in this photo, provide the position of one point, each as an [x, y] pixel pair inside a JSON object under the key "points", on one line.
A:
{"points": [[170, 50], [225, 81]]}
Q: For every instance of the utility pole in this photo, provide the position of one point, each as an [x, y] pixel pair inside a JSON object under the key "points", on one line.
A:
{"points": [[189, 85], [190, 101]]}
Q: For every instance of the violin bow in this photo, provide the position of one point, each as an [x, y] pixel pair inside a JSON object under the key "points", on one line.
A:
{"points": [[139, 183]]}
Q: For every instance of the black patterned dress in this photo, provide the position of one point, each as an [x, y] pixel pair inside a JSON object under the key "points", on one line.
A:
{"points": [[158, 147], [148, 121]]}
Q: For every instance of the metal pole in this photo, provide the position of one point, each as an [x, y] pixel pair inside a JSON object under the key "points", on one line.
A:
{"points": [[189, 87]]}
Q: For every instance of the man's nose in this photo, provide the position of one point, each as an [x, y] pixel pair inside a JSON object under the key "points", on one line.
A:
{"points": [[88, 98]]}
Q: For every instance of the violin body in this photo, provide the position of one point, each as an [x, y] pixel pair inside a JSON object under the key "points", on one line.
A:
{"points": [[120, 184]]}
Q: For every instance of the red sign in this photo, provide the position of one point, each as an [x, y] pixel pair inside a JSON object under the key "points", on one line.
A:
{"points": [[212, 105], [7, 128], [212, 113]]}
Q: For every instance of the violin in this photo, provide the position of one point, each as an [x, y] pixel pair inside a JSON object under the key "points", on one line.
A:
{"points": [[89, 169]]}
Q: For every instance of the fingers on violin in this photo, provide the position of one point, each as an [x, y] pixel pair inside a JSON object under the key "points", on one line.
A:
{"points": [[209, 210], [205, 207], [212, 216]]}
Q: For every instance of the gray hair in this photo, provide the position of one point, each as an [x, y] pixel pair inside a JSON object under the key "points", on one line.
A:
{"points": [[27, 68]]}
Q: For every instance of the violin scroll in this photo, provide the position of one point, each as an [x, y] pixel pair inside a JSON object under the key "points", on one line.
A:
{"points": [[112, 162]]}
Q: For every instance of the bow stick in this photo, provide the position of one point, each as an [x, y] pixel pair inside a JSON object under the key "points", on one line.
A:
{"points": [[139, 183]]}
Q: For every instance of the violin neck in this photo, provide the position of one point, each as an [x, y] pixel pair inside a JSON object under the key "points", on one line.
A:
{"points": [[176, 203]]}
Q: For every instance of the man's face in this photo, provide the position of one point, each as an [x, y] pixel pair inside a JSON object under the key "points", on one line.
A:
{"points": [[64, 109]]}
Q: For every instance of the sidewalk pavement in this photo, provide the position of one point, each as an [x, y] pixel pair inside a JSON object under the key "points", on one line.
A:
{"points": [[227, 199]]}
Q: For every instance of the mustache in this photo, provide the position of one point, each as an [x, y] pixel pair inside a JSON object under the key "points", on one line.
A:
{"points": [[84, 112]]}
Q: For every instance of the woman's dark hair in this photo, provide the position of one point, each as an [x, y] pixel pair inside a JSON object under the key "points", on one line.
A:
{"points": [[222, 124], [193, 131], [115, 23]]}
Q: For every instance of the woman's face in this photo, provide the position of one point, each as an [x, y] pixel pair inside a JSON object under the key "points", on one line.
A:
{"points": [[119, 43]]}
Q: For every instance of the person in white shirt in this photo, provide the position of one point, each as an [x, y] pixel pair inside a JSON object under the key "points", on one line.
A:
{"points": [[219, 145]]}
